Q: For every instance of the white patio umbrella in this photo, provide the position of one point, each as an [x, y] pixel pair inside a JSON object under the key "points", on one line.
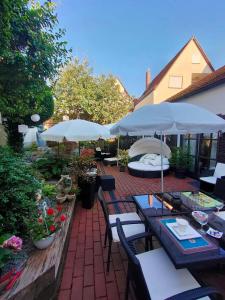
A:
{"points": [[76, 131], [166, 119]]}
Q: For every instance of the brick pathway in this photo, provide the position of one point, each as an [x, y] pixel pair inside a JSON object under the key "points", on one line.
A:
{"points": [[85, 276]]}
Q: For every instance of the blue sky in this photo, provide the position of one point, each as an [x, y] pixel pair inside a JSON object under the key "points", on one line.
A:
{"points": [[126, 37]]}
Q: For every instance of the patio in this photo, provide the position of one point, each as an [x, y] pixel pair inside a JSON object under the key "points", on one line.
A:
{"points": [[84, 276]]}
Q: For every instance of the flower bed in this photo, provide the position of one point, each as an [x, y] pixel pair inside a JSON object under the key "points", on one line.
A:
{"points": [[42, 273]]}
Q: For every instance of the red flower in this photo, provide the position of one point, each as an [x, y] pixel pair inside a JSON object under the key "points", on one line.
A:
{"points": [[62, 218], [52, 228], [59, 208], [40, 220], [50, 211]]}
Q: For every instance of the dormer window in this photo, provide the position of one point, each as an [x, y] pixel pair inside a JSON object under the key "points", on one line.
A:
{"points": [[176, 81], [195, 58]]}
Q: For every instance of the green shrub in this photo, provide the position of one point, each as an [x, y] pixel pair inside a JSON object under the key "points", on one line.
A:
{"points": [[49, 190], [124, 157], [17, 192], [50, 166]]}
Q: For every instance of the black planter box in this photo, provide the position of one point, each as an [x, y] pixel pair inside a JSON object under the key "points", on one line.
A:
{"points": [[87, 194]]}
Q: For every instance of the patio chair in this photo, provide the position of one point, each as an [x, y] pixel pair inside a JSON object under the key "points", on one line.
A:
{"points": [[153, 276], [219, 190], [110, 219], [207, 183]]}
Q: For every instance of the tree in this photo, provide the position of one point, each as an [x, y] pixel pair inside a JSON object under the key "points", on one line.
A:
{"points": [[81, 95], [31, 53]]}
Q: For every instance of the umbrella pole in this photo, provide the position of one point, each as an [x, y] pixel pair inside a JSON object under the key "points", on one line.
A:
{"points": [[118, 147], [162, 179]]}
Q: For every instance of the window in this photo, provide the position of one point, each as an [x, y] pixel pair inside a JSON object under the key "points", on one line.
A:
{"points": [[203, 152], [175, 81], [195, 58]]}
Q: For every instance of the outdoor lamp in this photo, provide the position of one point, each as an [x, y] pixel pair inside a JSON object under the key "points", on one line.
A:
{"points": [[35, 118]]}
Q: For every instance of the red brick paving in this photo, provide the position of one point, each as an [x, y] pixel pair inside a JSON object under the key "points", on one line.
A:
{"points": [[85, 276]]}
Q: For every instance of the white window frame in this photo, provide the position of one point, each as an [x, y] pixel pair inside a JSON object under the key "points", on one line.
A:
{"points": [[195, 59], [175, 86]]}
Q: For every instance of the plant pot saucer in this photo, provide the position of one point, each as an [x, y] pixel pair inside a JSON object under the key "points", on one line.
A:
{"points": [[60, 199]]}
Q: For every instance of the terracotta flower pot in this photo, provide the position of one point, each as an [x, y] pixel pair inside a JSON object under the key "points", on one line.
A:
{"points": [[45, 242]]}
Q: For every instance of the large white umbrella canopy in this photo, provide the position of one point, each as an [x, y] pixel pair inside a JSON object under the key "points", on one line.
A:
{"points": [[76, 131], [169, 118]]}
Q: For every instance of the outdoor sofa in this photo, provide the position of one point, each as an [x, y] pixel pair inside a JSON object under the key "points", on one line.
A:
{"points": [[208, 183], [146, 159]]}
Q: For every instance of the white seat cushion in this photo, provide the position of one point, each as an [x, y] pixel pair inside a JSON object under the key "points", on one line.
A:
{"points": [[129, 230], [136, 165], [111, 159], [162, 278], [209, 179]]}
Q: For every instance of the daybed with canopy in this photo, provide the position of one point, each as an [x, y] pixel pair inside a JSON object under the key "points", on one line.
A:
{"points": [[146, 160]]}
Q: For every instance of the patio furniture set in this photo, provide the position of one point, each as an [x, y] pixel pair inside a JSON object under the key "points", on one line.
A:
{"points": [[165, 273]]}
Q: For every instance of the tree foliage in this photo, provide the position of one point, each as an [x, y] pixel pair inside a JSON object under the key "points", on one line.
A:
{"points": [[79, 94], [31, 53]]}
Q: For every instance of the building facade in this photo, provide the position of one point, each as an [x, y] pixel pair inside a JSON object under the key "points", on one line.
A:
{"points": [[209, 93], [188, 66]]}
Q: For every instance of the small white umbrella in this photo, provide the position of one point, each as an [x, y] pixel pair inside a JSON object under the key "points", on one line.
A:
{"points": [[168, 118], [75, 131]]}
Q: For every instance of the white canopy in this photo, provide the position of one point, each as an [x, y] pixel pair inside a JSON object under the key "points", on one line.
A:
{"points": [[149, 145], [169, 118], [76, 131]]}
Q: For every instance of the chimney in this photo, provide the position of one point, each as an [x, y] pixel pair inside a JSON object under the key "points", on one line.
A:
{"points": [[148, 78]]}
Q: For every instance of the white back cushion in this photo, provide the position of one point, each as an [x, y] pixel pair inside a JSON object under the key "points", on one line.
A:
{"points": [[148, 156], [162, 279], [220, 170]]}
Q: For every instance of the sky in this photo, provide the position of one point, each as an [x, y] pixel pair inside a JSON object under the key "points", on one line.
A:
{"points": [[126, 37]]}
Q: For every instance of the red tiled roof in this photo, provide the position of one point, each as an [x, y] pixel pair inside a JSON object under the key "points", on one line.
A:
{"points": [[210, 80], [136, 101], [160, 76]]}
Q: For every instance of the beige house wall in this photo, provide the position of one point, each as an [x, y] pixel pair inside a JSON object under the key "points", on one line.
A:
{"points": [[149, 99], [183, 66], [212, 100]]}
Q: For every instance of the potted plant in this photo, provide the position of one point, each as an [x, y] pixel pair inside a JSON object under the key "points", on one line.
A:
{"points": [[64, 185], [123, 160], [84, 168], [9, 246], [180, 161], [73, 193], [49, 190], [44, 225]]}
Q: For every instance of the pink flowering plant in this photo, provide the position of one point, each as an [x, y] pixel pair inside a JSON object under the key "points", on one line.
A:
{"points": [[9, 245], [46, 222], [14, 242]]}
